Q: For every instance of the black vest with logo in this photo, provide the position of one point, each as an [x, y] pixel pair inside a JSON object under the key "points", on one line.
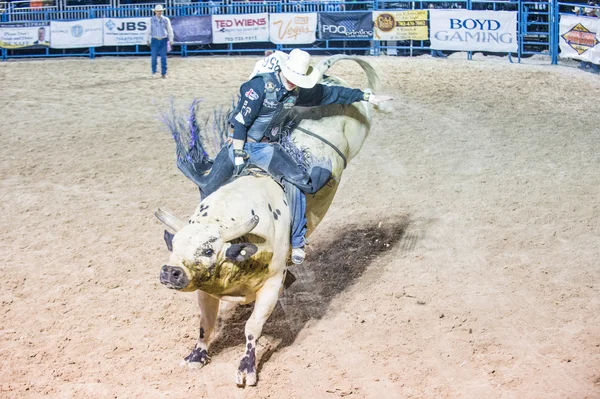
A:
{"points": [[273, 112]]}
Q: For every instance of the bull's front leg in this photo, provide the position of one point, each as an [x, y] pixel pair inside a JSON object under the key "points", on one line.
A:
{"points": [[209, 308], [266, 300]]}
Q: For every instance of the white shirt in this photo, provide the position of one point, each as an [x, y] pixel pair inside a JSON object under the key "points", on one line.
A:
{"points": [[270, 63]]}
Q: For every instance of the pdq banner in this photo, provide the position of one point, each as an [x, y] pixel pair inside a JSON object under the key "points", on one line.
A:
{"points": [[473, 30], [580, 38], [293, 28], [75, 34], [400, 25], [240, 28], [192, 30], [125, 31], [21, 36], [341, 25]]}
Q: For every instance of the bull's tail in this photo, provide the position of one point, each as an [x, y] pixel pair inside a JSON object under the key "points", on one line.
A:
{"points": [[372, 75]]}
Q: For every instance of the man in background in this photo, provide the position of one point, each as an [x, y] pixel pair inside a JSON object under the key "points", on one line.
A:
{"points": [[159, 37]]}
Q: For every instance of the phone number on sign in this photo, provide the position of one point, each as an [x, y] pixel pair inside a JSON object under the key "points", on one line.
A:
{"points": [[241, 38]]}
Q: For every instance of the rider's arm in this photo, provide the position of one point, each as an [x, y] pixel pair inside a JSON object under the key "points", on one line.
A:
{"points": [[325, 95], [252, 94]]}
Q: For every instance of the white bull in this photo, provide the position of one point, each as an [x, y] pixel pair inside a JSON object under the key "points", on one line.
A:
{"points": [[236, 244]]}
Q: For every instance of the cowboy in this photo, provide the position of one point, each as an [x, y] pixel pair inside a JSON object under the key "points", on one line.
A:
{"points": [[257, 121], [159, 37]]}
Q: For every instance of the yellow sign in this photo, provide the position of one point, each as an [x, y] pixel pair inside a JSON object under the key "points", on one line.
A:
{"points": [[401, 25]]}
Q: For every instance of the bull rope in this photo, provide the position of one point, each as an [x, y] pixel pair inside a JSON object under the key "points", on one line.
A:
{"points": [[324, 140]]}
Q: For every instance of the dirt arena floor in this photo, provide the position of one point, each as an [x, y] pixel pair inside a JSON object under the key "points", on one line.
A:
{"points": [[460, 258]]}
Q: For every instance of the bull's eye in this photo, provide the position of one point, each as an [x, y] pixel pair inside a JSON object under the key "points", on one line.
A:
{"points": [[208, 252]]}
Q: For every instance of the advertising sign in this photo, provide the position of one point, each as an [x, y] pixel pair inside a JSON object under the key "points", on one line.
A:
{"points": [[240, 28], [22, 36], [400, 25], [293, 28], [342, 25], [76, 34], [474, 30], [192, 30], [125, 31], [580, 38]]}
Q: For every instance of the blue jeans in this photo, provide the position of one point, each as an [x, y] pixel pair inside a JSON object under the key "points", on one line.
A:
{"points": [[260, 154], [159, 46]]}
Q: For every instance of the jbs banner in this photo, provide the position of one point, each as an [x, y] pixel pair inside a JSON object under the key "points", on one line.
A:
{"points": [[342, 25], [400, 25], [293, 28], [75, 34], [21, 36], [580, 38], [240, 28], [125, 31], [473, 30], [192, 30]]}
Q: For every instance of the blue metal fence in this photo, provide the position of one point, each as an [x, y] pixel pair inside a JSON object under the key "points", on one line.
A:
{"points": [[537, 23]]}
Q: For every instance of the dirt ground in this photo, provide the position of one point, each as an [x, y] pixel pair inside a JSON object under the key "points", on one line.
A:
{"points": [[460, 258]]}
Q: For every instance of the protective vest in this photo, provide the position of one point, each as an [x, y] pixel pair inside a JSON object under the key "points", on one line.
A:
{"points": [[273, 113]]}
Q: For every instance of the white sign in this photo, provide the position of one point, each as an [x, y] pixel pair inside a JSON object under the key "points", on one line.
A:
{"points": [[240, 28], [467, 30], [293, 28], [580, 38], [26, 36], [76, 34], [125, 31]]}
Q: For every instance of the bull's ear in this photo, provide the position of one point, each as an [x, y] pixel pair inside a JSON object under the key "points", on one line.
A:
{"points": [[169, 240], [240, 252]]}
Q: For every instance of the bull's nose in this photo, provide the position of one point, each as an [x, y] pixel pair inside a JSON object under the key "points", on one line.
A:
{"points": [[173, 277]]}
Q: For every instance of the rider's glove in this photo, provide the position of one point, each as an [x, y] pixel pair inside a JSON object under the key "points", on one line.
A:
{"points": [[239, 161]]}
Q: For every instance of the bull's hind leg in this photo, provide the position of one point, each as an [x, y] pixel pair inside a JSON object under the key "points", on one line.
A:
{"points": [[209, 308], [266, 299]]}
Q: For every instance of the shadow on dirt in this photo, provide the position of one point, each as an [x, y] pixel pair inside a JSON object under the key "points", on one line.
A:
{"points": [[331, 267]]}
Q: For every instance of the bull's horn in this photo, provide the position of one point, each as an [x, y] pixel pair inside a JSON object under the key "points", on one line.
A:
{"points": [[170, 220], [240, 230]]}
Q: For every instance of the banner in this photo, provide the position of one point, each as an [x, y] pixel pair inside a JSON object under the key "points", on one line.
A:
{"points": [[76, 34], [240, 28], [125, 31], [580, 38], [473, 30], [192, 30], [341, 25], [400, 25], [22, 36], [293, 28]]}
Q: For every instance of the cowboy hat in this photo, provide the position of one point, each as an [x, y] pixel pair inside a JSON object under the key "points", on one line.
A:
{"points": [[159, 7], [298, 71]]}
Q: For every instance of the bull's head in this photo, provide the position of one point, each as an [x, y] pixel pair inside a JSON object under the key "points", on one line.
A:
{"points": [[199, 250]]}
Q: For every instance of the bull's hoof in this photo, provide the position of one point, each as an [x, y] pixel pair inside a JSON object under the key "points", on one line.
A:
{"points": [[198, 358], [246, 374], [243, 378]]}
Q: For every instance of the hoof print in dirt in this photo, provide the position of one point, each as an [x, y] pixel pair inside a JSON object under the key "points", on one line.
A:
{"points": [[197, 358]]}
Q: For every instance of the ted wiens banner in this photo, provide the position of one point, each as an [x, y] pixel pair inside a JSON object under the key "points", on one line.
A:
{"points": [[240, 28], [293, 28], [192, 30], [341, 25], [400, 25], [23, 36], [76, 34], [125, 31], [473, 30], [580, 38]]}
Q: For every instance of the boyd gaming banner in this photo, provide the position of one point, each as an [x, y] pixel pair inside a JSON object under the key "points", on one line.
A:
{"points": [[293, 28], [580, 38], [21, 36], [240, 28], [76, 34], [341, 25], [473, 30], [125, 31], [192, 30], [400, 25]]}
